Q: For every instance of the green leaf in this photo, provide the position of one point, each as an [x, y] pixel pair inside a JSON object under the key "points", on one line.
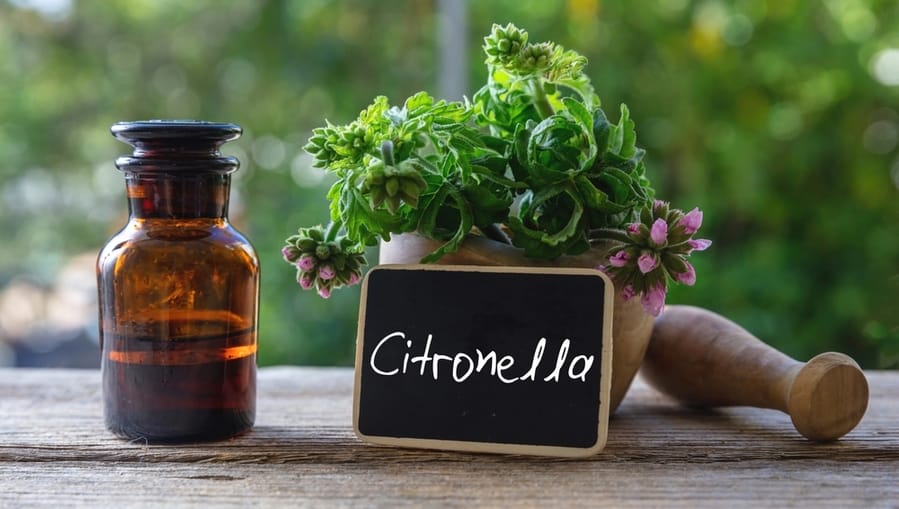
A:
{"points": [[623, 137], [559, 143], [418, 103], [592, 197], [578, 112], [364, 225], [374, 113], [488, 204], [601, 130], [535, 248], [545, 236], [618, 186], [430, 204], [465, 224], [484, 174]]}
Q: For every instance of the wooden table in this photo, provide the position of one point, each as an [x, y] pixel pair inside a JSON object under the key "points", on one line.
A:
{"points": [[54, 452]]}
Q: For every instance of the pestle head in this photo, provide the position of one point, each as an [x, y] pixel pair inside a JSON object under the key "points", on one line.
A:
{"points": [[828, 397]]}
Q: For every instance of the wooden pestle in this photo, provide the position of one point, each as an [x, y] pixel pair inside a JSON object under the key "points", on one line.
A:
{"points": [[704, 359]]}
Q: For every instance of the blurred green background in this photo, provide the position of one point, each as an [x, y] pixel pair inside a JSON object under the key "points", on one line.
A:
{"points": [[779, 118]]}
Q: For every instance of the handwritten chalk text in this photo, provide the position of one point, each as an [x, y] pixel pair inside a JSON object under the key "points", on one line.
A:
{"points": [[462, 365]]}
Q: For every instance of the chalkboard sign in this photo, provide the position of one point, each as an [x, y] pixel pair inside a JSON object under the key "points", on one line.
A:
{"points": [[487, 359]]}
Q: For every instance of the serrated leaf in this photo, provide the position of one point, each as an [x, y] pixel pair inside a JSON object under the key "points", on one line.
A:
{"points": [[374, 113], [417, 103], [623, 138], [334, 194]]}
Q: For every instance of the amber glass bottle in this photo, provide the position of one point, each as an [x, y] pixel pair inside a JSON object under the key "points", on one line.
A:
{"points": [[178, 291]]}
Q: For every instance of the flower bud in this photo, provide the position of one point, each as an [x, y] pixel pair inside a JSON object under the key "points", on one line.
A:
{"points": [[647, 262], [699, 244], [535, 57], [306, 262], [322, 251], [660, 208], [326, 272], [692, 221], [504, 43], [290, 253], [392, 186], [306, 280], [654, 300], [306, 245], [619, 259], [659, 232], [688, 277]]}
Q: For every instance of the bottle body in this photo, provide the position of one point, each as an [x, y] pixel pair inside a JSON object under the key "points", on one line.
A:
{"points": [[178, 329], [178, 291]]}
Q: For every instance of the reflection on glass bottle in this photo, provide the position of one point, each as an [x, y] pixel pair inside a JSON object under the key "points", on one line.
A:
{"points": [[178, 291]]}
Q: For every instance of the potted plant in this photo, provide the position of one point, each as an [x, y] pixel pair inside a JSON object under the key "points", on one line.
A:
{"points": [[529, 171]]}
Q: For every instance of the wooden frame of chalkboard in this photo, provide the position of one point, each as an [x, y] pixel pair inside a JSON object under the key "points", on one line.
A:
{"points": [[513, 360]]}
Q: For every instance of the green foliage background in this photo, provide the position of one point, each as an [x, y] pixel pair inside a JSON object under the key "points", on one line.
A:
{"points": [[766, 114]]}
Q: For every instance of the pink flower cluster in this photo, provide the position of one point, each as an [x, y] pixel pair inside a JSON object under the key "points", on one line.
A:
{"points": [[653, 251], [322, 265]]}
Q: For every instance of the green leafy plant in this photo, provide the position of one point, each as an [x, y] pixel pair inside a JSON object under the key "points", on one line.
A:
{"points": [[531, 160]]}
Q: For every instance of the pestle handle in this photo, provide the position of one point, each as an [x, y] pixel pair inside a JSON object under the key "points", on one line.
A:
{"points": [[704, 359]]}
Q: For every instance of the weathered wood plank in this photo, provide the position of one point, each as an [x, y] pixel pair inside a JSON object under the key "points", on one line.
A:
{"points": [[54, 450]]}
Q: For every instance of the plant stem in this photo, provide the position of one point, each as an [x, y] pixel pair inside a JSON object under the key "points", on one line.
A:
{"points": [[332, 230], [609, 234], [540, 99]]}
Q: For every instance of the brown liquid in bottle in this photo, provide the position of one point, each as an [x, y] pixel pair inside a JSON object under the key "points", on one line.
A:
{"points": [[178, 292]]}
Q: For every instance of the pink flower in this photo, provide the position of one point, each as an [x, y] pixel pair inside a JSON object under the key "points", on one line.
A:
{"points": [[306, 280], [688, 277], [633, 228], [306, 262], [692, 221], [628, 293], [290, 253], [647, 262], [353, 279], [659, 207], [619, 259], [654, 300], [659, 232], [699, 244], [326, 272], [324, 292]]}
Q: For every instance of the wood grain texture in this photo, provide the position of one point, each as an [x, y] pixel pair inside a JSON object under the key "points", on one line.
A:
{"points": [[55, 452]]}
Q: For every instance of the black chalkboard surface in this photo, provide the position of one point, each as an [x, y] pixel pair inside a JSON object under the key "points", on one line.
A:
{"points": [[488, 359]]}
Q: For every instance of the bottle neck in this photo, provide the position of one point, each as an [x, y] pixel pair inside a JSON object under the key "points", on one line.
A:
{"points": [[182, 196]]}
